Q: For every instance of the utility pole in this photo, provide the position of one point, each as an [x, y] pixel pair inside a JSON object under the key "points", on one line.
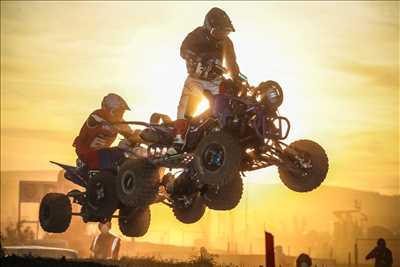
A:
{"points": [[269, 250], [356, 254], [232, 230], [246, 222]]}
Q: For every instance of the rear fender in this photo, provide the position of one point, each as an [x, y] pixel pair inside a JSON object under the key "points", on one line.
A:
{"points": [[72, 174]]}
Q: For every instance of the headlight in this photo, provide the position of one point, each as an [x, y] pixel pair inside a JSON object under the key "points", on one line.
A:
{"points": [[270, 94]]}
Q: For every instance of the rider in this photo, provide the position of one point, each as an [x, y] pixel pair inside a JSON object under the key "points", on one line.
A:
{"points": [[202, 49], [98, 133]]}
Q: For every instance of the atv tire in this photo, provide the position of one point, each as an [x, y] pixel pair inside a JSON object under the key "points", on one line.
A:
{"points": [[134, 222], [227, 196], [55, 213], [101, 196], [137, 183], [317, 173], [192, 213], [218, 158]]}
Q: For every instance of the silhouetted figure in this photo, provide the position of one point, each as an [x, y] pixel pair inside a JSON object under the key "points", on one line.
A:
{"points": [[1, 247], [105, 245], [382, 255], [303, 260]]}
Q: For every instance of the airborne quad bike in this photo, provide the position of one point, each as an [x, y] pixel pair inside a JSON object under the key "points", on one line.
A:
{"points": [[241, 131], [99, 200]]}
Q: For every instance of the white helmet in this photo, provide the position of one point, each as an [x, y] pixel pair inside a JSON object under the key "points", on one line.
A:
{"points": [[114, 101]]}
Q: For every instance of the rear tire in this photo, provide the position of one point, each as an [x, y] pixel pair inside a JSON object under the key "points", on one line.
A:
{"points": [[55, 213], [190, 214], [226, 197], [137, 183], [102, 199], [134, 222], [317, 173], [218, 158]]}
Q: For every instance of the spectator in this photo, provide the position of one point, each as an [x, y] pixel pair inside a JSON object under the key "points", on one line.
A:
{"points": [[303, 260], [382, 255], [1, 247], [105, 245]]}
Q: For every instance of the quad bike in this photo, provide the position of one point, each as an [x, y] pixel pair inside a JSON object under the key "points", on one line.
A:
{"points": [[98, 201], [241, 131]]}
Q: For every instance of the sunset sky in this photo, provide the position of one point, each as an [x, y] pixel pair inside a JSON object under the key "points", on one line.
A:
{"points": [[338, 63]]}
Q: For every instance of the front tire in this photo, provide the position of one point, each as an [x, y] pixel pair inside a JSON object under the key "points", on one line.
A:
{"points": [[313, 176], [191, 213], [55, 213], [225, 197], [137, 183], [218, 158], [134, 222]]}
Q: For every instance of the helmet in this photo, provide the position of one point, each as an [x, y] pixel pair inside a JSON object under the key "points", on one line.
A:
{"points": [[114, 101], [381, 242], [217, 19]]}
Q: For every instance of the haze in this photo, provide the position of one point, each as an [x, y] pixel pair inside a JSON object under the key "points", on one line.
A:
{"points": [[337, 63]]}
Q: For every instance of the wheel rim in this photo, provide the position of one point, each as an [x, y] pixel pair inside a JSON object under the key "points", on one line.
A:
{"points": [[304, 165], [128, 182], [213, 157]]}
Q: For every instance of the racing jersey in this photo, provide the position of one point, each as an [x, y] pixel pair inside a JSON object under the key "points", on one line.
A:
{"points": [[199, 43], [96, 133]]}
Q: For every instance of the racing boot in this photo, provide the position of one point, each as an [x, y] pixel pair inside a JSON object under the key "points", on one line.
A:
{"points": [[168, 182], [181, 126]]}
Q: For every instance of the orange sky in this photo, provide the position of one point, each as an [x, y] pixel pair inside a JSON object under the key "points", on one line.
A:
{"points": [[337, 62]]}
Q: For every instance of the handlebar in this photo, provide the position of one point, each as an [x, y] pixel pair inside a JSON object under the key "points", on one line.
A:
{"points": [[141, 123]]}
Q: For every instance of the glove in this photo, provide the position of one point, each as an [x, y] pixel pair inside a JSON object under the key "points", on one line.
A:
{"points": [[135, 138]]}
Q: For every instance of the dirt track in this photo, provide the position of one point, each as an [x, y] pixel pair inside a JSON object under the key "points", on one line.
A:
{"points": [[15, 261]]}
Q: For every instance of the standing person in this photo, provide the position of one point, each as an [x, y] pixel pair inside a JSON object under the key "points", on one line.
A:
{"points": [[105, 245], [381, 254], [203, 48], [1, 247]]}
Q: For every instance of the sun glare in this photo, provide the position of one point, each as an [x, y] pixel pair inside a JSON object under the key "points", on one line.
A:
{"points": [[203, 106]]}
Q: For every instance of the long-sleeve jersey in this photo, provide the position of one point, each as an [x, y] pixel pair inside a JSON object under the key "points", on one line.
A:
{"points": [[199, 43], [97, 132]]}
